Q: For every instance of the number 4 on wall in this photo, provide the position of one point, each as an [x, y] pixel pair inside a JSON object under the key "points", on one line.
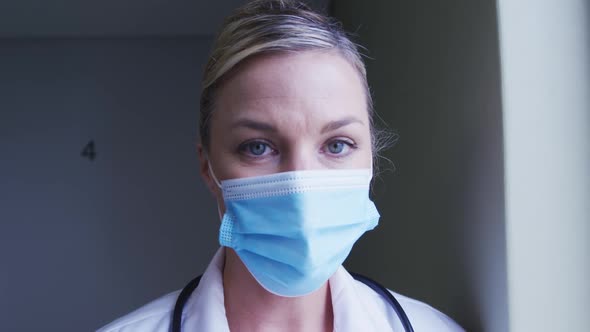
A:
{"points": [[89, 151]]}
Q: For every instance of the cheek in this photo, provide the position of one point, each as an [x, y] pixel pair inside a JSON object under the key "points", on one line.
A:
{"points": [[220, 154], [366, 159], [220, 208]]}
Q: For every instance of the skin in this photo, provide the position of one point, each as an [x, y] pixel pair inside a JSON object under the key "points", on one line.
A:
{"points": [[277, 113]]}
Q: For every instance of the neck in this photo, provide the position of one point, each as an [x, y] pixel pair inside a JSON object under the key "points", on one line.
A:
{"points": [[249, 307]]}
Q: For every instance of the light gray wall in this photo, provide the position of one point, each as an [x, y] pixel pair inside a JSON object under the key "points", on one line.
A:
{"points": [[436, 80], [82, 242], [546, 86]]}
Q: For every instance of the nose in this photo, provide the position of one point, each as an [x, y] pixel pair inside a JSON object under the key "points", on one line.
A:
{"points": [[300, 158]]}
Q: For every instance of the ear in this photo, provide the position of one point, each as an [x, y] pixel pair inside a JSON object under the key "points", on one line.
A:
{"points": [[204, 170]]}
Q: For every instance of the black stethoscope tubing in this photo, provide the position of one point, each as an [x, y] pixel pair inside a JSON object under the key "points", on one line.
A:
{"points": [[381, 290]]}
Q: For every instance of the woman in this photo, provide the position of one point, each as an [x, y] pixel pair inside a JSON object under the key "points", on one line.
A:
{"points": [[287, 148]]}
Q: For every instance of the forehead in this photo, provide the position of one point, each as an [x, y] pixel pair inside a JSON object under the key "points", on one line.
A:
{"points": [[315, 84]]}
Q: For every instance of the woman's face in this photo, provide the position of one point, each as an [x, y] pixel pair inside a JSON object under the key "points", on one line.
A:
{"points": [[286, 112]]}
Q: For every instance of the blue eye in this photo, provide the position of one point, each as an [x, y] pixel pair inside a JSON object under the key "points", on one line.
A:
{"points": [[339, 147], [255, 148], [336, 147]]}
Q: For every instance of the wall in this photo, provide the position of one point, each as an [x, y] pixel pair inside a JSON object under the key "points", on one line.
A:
{"points": [[83, 242], [546, 86], [434, 71]]}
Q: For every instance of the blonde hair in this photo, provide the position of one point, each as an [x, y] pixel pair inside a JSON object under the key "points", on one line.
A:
{"points": [[265, 26]]}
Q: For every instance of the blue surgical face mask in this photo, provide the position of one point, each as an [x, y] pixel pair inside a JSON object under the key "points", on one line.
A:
{"points": [[293, 230]]}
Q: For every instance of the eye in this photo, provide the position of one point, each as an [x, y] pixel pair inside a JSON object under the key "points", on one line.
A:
{"points": [[339, 147], [336, 147], [255, 148]]}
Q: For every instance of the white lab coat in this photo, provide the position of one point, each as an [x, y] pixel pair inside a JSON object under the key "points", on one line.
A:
{"points": [[356, 308]]}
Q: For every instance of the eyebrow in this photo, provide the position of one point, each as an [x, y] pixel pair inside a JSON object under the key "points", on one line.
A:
{"points": [[340, 123], [255, 125], [262, 126]]}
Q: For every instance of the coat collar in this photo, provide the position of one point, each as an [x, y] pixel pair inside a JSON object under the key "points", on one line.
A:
{"points": [[353, 309]]}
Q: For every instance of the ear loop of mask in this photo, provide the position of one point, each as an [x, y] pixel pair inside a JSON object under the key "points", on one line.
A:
{"points": [[210, 169], [213, 174]]}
